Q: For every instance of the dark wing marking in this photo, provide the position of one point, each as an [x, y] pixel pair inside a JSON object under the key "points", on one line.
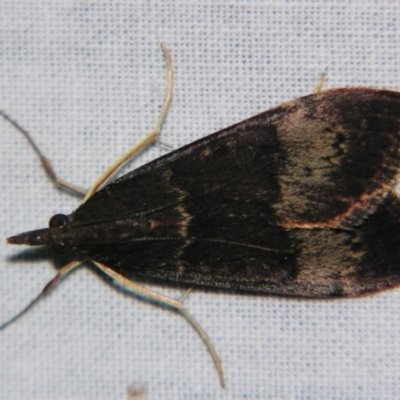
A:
{"points": [[304, 262], [325, 160]]}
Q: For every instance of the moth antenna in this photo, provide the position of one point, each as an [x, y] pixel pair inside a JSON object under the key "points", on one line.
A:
{"points": [[47, 289], [151, 137], [165, 301], [46, 163]]}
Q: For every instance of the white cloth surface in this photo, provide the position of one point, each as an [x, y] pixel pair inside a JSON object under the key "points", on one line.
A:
{"points": [[87, 80]]}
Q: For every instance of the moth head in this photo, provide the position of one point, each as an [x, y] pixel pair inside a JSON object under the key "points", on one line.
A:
{"points": [[45, 236]]}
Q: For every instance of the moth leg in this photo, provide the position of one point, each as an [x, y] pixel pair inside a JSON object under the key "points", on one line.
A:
{"points": [[151, 137], [46, 290], [43, 159], [165, 301], [320, 83], [163, 144], [185, 294]]}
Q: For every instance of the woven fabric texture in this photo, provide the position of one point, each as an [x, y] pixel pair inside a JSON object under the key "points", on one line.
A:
{"points": [[87, 80]]}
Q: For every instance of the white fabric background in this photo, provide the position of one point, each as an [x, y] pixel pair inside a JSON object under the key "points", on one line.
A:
{"points": [[87, 79]]}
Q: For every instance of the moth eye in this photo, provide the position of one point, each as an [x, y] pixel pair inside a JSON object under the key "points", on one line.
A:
{"points": [[58, 220], [60, 248]]}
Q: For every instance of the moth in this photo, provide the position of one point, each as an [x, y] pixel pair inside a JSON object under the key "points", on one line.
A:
{"points": [[298, 200]]}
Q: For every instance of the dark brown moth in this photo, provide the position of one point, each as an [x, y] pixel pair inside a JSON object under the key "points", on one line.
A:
{"points": [[297, 200], [286, 202]]}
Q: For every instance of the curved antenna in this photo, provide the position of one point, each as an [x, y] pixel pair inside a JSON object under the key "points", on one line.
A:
{"points": [[46, 290]]}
